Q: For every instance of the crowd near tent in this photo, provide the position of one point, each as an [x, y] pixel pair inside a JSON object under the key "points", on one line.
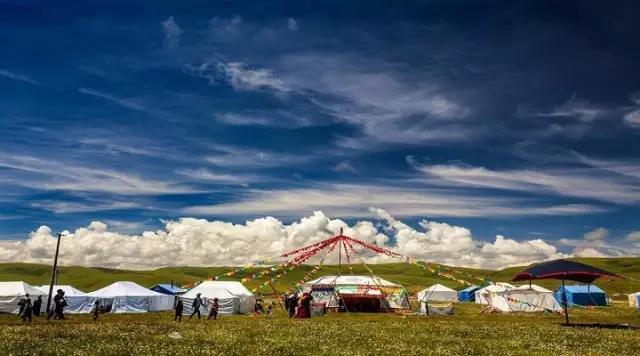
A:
{"points": [[582, 295], [168, 289], [526, 298], [11, 292], [130, 297], [438, 292], [77, 300], [233, 297], [482, 294], [358, 293], [634, 300], [468, 294]]}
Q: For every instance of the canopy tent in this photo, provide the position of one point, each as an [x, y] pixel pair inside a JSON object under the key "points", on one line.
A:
{"points": [[12, 292], [77, 300], [634, 300], [168, 289], [482, 294], [582, 295], [468, 294], [233, 297], [130, 297], [438, 292], [526, 298], [358, 293]]}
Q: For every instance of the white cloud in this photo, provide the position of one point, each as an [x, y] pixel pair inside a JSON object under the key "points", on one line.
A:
{"points": [[238, 157], [20, 77], [587, 252], [633, 236], [345, 167], [64, 207], [354, 200], [127, 103], [582, 183], [238, 75], [580, 109], [292, 24], [171, 32], [598, 234], [198, 242], [633, 119], [206, 175]]}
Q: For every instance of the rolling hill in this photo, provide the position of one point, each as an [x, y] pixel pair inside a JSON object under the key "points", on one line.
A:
{"points": [[412, 277]]}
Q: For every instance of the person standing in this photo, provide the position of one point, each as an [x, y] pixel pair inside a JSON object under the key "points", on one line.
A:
{"points": [[95, 311], [21, 304], [37, 305], [304, 310], [179, 308], [197, 302], [27, 311], [292, 303], [58, 306], [213, 311]]}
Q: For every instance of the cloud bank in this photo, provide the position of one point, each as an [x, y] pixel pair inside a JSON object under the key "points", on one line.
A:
{"points": [[199, 242]]}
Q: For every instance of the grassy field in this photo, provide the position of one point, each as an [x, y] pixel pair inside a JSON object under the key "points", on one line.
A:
{"points": [[466, 333], [411, 277]]}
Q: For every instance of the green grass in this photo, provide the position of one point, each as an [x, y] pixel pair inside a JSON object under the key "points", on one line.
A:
{"points": [[466, 333], [410, 276]]}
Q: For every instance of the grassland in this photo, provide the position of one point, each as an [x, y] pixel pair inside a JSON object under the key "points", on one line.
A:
{"points": [[466, 333], [412, 277]]}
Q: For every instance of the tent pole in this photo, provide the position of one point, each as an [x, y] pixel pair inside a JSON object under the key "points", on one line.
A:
{"points": [[566, 304]]}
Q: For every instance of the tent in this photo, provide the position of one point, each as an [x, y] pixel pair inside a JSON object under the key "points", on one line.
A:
{"points": [[582, 295], [168, 289], [77, 300], [233, 297], [130, 297], [526, 298], [634, 300], [482, 294], [11, 292], [358, 293], [468, 294], [438, 292]]}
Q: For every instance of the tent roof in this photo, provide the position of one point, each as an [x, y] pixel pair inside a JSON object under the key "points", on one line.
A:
{"points": [[438, 288], [350, 280], [498, 287], [534, 287], [592, 288], [18, 288], [125, 288], [219, 289], [563, 269], [470, 288], [169, 288], [69, 291]]}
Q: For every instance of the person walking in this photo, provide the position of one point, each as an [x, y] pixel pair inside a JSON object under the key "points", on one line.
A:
{"points": [[213, 311], [179, 308], [27, 311], [197, 302], [37, 305], [58, 306], [95, 311]]}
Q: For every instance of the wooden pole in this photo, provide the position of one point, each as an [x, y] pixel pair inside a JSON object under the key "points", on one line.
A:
{"points": [[53, 273]]}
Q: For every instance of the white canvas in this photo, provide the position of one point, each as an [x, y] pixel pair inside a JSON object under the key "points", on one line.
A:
{"points": [[77, 300], [524, 299], [233, 297], [633, 299], [483, 293], [438, 292], [130, 297], [369, 285], [11, 292]]}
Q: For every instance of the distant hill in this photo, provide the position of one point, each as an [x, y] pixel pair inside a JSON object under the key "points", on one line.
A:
{"points": [[412, 277]]}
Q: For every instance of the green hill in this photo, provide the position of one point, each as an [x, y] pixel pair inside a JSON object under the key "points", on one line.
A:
{"points": [[412, 277]]}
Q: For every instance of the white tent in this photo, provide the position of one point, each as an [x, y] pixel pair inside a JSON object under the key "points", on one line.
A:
{"points": [[11, 292], [77, 300], [525, 298], [633, 299], [483, 293], [438, 292], [130, 297], [233, 297]]}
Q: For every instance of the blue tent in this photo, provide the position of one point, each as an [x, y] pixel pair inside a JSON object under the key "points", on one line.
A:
{"points": [[167, 289], [582, 295], [468, 294]]}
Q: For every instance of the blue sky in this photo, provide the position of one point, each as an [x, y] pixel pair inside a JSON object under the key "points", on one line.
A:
{"points": [[518, 118]]}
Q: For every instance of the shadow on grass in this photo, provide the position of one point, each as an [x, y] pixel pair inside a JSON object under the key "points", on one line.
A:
{"points": [[604, 326]]}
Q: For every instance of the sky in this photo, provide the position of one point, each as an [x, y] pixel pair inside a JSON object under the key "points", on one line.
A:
{"points": [[484, 133]]}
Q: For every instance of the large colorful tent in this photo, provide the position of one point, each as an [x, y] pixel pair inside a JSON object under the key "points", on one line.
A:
{"points": [[233, 297], [359, 293], [12, 292], [634, 300], [582, 295], [468, 294], [483, 294], [438, 292], [130, 297], [526, 298], [77, 300]]}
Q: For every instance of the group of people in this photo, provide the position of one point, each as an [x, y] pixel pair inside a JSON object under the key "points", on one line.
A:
{"points": [[197, 303], [298, 307], [28, 309]]}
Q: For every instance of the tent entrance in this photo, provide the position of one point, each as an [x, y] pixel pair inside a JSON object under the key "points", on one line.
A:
{"points": [[361, 304]]}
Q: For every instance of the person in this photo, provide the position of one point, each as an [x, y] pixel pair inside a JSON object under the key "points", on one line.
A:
{"points": [[58, 306], [213, 311], [292, 303], [95, 311], [197, 302], [27, 308], [304, 308], [179, 308], [258, 308], [21, 303], [270, 309], [37, 305]]}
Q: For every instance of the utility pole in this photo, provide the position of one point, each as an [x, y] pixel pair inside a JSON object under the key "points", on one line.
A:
{"points": [[54, 271]]}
